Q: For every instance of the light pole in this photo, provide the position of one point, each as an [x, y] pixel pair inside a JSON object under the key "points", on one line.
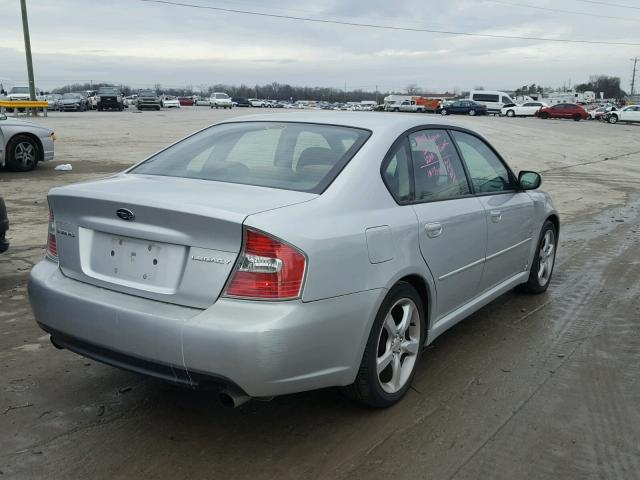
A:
{"points": [[27, 48]]}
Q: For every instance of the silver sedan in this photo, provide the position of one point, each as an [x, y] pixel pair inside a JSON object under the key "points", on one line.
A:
{"points": [[282, 253], [23, 144]]}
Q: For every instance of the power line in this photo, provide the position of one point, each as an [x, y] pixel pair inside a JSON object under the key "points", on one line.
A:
{"points": [[388, 27], [596, 2], [558, 10]]}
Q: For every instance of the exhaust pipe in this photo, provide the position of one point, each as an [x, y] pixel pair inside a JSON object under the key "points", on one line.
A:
{"points": [[232, 398]]}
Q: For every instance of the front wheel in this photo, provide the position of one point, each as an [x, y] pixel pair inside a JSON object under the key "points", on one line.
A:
{"points": [[393, 349], [544, 261], [444, 112], [544, 115], [511, 113], [22, 154], [613, 119]]}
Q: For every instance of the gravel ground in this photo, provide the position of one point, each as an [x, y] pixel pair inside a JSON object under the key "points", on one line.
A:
{"points": [[532, 387]]}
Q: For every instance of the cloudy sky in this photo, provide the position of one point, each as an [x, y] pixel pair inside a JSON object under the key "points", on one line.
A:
{"points": [[141, 43]]}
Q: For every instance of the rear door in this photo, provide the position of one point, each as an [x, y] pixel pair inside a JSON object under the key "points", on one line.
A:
{"points": [[451, 222], [508, 212]]}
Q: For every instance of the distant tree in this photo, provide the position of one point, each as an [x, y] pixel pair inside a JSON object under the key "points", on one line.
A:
{"points": [[413, 89], [479, 87]]}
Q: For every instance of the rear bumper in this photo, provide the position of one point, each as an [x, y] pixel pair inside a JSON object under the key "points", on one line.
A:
{"points": [[264, 348]]}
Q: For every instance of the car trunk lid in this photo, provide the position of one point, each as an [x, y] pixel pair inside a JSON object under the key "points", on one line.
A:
{"points": [[165, 238]]}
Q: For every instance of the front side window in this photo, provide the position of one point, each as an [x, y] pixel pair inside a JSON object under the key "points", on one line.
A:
{"points": [[487, 172], [292, 156], [437, 169]]}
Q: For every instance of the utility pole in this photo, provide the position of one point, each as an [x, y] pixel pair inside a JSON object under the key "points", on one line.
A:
{"points": [[27, 48], [633, 76], [376, 93]]}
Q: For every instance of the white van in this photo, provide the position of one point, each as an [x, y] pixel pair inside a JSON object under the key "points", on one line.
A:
{"points": [[494, 100]]}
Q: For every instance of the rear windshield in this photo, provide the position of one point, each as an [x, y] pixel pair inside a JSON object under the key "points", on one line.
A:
{"points": [[293, 156]]}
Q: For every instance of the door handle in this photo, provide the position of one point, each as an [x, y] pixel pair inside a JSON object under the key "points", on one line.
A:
{"points": [[496, 216], [433, 229]]}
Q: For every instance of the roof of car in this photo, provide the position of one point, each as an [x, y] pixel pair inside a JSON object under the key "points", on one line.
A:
{"points": [[367, 120]]}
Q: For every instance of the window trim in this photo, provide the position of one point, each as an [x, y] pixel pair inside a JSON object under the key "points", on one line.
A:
{"points": [[404, 136]]}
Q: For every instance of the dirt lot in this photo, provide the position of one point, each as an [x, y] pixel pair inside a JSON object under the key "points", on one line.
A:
{"points": [[532, 387]]}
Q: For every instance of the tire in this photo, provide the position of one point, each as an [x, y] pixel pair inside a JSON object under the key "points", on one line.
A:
{"points": [[577, 117], [396, 109], [613, 119], [381, 389], [540, 275], [23, 153], [544, 115], [444, 112], [472, 112], [157, 108], [511, 113]]}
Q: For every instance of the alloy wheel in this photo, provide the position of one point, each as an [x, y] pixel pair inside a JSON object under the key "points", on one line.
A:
{"points": [[398, 345], [546, 257], [25, 154]]}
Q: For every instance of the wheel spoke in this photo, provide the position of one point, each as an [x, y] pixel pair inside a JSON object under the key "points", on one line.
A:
{"points": [[384, 361], [390, 325], [396, 379], [410, 346], [407, 315]]}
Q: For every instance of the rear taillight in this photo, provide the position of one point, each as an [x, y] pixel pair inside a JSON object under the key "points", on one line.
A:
{"points": [[52, 244], [267, 269]]}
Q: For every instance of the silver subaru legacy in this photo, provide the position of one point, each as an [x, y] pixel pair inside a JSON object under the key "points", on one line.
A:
{"points": [[280, 253]]}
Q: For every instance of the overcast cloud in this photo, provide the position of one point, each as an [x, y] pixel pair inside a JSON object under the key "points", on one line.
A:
{"points": [[141, 44]]}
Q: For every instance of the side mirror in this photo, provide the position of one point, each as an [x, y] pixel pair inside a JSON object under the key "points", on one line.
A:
{"points": [[529, 180]]}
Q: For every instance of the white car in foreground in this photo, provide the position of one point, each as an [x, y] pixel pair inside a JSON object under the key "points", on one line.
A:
{"points": [[169, 101], [627, 114], [528, 109]]}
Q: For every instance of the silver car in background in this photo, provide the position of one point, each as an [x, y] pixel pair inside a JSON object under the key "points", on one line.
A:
{"points": [[23, 144], [282, 253]]}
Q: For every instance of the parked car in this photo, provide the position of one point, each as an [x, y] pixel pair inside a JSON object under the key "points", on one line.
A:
{"points": [[4, 226], [202, 102], [527, 109], [169, 101], [52, 100], [597, 113], [23, 144], [185, 101], [563, 110], [415, 225], [492, 99], [220, 100], [241, 102], [626, 114], [148, 99], [257, 103], [19, 93], [465, 107], [109, 98], [73, 101]]}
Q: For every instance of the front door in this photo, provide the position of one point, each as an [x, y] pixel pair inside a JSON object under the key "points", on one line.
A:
{"points": [[451, 222], [508, 211]]}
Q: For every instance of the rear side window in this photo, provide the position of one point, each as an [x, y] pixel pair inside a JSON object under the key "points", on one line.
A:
{"points": [[437, 169], [292, 156], [488, 173], [485, 97], [396, 174]]}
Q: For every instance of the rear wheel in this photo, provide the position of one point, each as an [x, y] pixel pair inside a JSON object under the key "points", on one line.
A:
{"points": [[542, 267], [577, 117], [22, 154], [393, 349], [472, 112]]}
